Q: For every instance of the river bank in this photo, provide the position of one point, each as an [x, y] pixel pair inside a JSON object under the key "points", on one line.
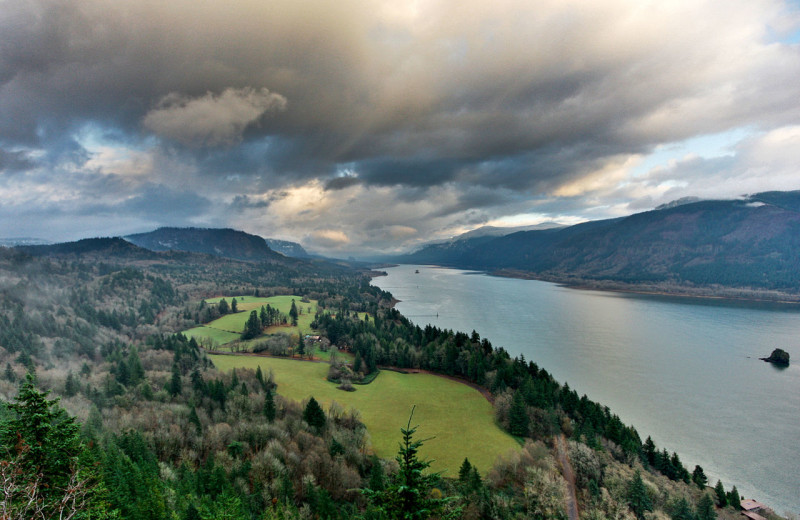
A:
{"points": [[683, 370], [718, 292]]}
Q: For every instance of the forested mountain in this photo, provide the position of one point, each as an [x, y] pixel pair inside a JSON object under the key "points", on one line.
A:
{"points": [[750, 243], [228, 243]]}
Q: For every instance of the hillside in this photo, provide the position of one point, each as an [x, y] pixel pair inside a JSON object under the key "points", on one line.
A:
{"points": [[227, 243], [287, 248], [751, 243], [163, 431]]}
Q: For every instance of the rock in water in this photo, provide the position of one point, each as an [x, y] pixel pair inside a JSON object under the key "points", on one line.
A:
{"points": [[778, 357]]}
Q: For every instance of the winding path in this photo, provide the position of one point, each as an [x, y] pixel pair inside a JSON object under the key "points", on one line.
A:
{"points": [[569, 476]]}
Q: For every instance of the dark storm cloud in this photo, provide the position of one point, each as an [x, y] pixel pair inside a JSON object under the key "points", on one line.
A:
{"points": [[244, 202], [452, 106], [15, 161], [340, 183]]}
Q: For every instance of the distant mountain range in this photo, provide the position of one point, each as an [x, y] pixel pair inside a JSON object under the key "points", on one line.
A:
{"points": [[748, 243]]}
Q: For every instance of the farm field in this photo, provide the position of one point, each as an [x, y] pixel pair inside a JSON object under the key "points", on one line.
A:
{"points": [[457, 419]]}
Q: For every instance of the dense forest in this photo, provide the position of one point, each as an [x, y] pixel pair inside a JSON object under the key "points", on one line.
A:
{"points": [[109, 412]]}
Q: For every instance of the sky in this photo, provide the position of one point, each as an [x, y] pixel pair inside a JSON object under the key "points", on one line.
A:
{"points": [[362, 127]]}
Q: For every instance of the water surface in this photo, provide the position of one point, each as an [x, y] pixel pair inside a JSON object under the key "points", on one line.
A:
{"points": [[684, 371]]}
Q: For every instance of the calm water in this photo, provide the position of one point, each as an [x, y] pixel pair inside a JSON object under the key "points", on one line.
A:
{"points": [[683, 371]]}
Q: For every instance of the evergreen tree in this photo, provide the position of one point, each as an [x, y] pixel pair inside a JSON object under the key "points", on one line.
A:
{"points": [[41, 436], [222, 307], [734, 500], [260, 378], [44, 467], [722, 499], [252, 328], [408, 497], [649, 451], [25, 359], [9, 373], [705, 508], [293, 314], [475, 483], [122, 373], [198, 385], [135, 368], [264, 317], [301, 345], [638, 499], [699, 477], [518, 416], [234, 379], [464, 471], [377, 477], [313, 415], [175, 385], [195, 420], [71, 385], [234, 305], [681, 510]]}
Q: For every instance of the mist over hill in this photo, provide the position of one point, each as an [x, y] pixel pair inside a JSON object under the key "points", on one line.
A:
{"points": [[22, 241], [287, 248]]}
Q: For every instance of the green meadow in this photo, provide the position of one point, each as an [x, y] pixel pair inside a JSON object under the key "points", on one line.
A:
{"points": [[456, 419], [219, 337], [228, 328]]}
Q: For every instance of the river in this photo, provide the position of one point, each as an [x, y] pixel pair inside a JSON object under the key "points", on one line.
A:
{"points": [[684, 371]]}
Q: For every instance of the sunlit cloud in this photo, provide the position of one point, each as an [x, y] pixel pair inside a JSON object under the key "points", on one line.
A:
{"points": [[211, 120], [328, 238]]}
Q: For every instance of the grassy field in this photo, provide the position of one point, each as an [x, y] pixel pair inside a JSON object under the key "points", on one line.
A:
{"points": [[229, 327], [219, 337], [458, 417]]}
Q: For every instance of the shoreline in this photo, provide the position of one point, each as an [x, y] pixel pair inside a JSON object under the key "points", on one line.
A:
{"points": [[730, 294], [718, 293]]}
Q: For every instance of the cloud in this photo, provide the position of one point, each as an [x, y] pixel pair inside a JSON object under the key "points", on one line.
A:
{"points": [[329, 238], [211, 120], [400, 232], [15, 161], [340, 183], [445, 114]]}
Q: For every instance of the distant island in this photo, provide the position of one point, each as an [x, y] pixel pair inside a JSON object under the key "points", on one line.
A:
{"points": [[778, 357]]}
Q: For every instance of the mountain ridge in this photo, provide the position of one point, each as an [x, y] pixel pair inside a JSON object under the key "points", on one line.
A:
{"points": [[748, 243], [223, 242]]}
